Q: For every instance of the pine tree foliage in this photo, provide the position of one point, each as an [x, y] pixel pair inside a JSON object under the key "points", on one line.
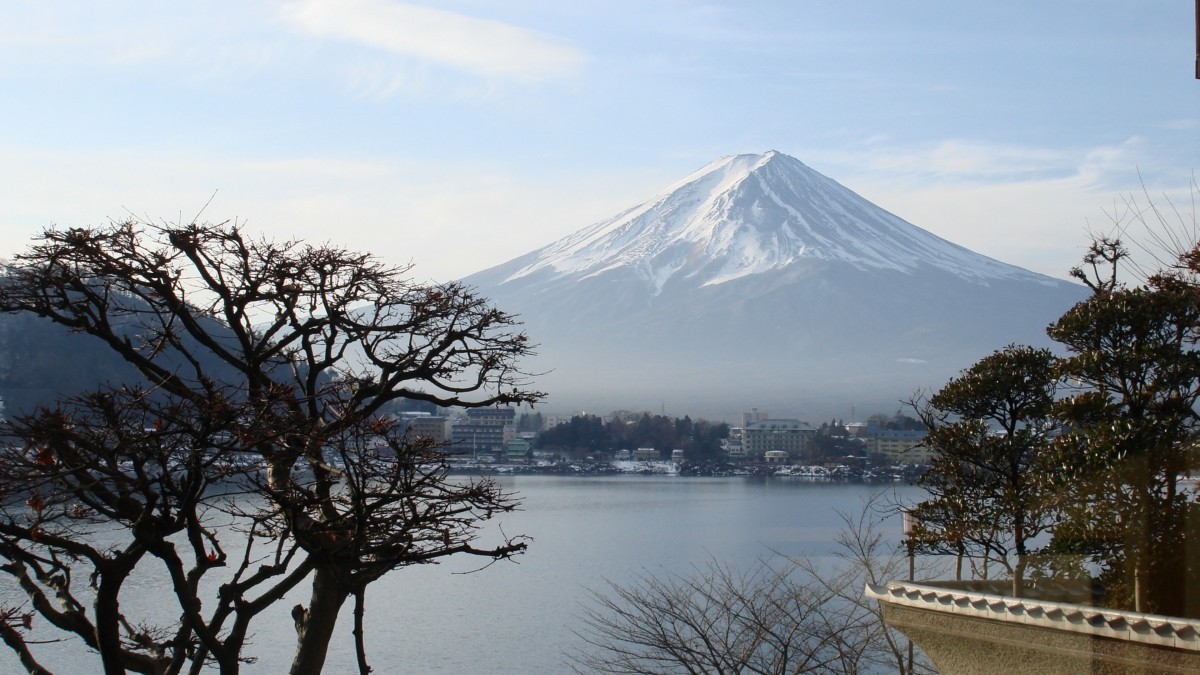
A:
{"points": [[991, 427], [1134, 373], [1094, 446]]}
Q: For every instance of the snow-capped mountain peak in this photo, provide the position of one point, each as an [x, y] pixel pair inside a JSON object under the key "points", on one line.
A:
{"points": [[758, 280], [748, 214]]}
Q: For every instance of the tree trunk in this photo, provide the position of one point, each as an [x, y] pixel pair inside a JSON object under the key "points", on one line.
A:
{"points": [[1018, 580], [108, 618], [1139, 588], [314, 626], [958, 560]]}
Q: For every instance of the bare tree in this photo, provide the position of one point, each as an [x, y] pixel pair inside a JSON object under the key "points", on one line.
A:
{"points": [[779, 616], [265, 368], [864, 555], [716, 620]]}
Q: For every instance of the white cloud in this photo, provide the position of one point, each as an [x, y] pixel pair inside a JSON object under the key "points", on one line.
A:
{"points": [[483, 47]]}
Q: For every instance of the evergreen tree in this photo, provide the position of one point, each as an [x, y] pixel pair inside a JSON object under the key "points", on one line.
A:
{"points": [[990, 428], [1135, 372]]}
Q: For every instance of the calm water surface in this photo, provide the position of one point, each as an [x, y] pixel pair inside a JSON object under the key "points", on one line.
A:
{"points": [[518, 617]]}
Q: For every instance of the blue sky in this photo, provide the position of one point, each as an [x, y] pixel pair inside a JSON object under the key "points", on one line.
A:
{"points": [[457, 135]]}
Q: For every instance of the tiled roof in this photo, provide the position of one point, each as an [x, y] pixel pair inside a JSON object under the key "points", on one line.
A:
{"points": [[1155, 629]]}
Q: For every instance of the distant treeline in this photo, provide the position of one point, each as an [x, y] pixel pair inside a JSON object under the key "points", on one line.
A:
{"points": [[589, 434]]}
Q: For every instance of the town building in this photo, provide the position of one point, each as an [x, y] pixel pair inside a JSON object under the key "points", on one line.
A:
{"points": [[483, 430], [775, 435], [425, 425], [732, 446], [646, 454], [898, 445], [517, 449]]}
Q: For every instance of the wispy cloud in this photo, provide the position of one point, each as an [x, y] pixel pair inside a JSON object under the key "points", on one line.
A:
{"points": [[482, 47], [1024, 204], [965, 160], [146, 45]]}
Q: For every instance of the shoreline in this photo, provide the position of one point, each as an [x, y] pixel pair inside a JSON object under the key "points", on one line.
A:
{"points": [[840, 473]]}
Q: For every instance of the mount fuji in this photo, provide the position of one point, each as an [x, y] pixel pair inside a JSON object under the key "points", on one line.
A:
{"points": [[756, 281]]}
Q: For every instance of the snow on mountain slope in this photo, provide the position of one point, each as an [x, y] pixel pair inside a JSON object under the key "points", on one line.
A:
{"points": [[750, 214], [758, 281]]}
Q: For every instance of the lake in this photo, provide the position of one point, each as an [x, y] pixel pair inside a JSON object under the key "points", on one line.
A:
{"points": [[517, 617]]}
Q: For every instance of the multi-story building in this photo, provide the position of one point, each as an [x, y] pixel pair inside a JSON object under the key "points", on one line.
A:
{"points": [[771, 435], [899, 445], [754, 416], [483, 430], [424, 425]]}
